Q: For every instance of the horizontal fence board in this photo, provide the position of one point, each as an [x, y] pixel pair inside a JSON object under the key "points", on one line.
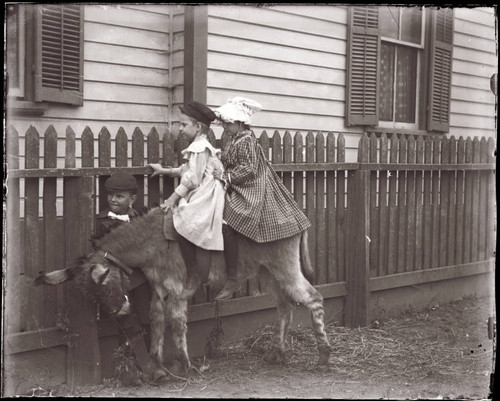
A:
{"points": [[430, 275]]}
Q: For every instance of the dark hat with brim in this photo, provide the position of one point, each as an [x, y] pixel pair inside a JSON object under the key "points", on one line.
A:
{"points": [[198, 111], [121, 181]]}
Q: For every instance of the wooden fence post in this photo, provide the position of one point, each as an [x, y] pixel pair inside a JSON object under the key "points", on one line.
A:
{"points": [[83, 352], [358, 231]]}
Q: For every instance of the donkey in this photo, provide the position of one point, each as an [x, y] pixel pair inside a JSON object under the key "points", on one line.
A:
{"points": [[141, 244]]}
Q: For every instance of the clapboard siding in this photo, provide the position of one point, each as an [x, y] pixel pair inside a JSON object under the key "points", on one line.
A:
{"points": [[291, 59], [472, 107], [125, 36], [132, 18], [247, 83], [97, 71]]}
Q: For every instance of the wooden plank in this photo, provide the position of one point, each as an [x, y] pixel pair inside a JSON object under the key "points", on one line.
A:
{"points": [[427, 207], [468, 206], [460, 218], [83, 355], [331, 232], [298, 180], [104, 155], [374, 209], [483, 200], [138, 160], [51, 259], [126, 36], [34, 340], [491, 201], [121, 148], [168, 161], [393, 242], [411, 207], [444, 196], [153, 146], [119, 16], [383, 209], [402, 218], [14, 249], [402, 280], [452, 199], [287, 158], [436, 152], [123, 74], [341, 211], [34, 299], [321, 245], [356, 305], [250, 304], [310, 194], [419, 216], [476, 154], [432, 166]]}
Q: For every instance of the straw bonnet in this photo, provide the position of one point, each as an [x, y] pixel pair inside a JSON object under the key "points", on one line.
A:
{"points": [[238, 109]]}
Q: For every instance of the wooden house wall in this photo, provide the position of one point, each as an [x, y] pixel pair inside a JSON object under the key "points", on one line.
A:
{"points": [[130, 73], [474, 61], [291, 59]]}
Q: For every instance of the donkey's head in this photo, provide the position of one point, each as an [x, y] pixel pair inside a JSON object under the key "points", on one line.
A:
{"points": [[98, 279]]}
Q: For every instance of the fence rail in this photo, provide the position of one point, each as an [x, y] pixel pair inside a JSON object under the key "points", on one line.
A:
{"points": [[409, 209]]}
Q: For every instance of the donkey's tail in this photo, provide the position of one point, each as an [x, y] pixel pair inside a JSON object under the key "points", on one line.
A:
{"points": [[305, 260]]}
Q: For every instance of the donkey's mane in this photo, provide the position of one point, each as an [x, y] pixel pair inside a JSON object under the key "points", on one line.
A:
{"points": [[136, 231]]}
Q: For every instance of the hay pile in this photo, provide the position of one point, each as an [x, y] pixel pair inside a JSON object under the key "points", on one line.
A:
{"points": [[436, 341]]}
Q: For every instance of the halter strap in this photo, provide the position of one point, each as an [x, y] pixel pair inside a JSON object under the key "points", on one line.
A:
{"points": [[115, 260]]}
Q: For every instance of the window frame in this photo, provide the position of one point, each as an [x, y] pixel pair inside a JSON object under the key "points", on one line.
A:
{"points": [[31, 102], [419, 81]]}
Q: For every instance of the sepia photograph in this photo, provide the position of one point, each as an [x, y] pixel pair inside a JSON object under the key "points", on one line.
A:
{"points": [[249, 200]]}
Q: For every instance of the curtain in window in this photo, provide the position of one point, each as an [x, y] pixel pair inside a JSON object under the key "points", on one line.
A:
{"points": [[406, 84]]}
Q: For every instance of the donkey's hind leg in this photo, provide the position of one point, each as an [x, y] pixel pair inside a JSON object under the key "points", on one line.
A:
{"points": [[285, 312], [157, 317], [301, 291]]}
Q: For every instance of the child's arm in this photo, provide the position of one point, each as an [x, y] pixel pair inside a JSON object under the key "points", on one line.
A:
{"points": [[169, 171]]}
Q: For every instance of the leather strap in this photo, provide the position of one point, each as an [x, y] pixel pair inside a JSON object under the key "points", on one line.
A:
{"points": [[117, 261]]}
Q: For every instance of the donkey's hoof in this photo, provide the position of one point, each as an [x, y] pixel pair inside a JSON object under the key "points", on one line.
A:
{"points": [[275, 357], [323, 368], [177, 369]]}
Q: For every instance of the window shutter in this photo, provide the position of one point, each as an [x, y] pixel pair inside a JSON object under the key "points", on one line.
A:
{"points": [[441, 48], [59, 54], [363, 57]]}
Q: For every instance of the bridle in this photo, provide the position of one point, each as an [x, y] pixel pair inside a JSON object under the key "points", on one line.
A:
{"points": [[107, 255]]}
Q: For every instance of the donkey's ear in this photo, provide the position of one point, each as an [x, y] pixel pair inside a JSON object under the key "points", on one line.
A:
{"points": [[55, 277], [99, 273]]}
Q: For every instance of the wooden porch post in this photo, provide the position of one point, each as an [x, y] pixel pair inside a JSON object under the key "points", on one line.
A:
{"points": [[358, 231], [195, 53]]}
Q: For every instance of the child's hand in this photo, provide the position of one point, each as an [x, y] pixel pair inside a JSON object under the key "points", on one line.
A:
{"points": [[157, 168], [217, 173]]}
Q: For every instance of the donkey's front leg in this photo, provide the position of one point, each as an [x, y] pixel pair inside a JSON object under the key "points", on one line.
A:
{"points": [[157, 318], [176, 311]]}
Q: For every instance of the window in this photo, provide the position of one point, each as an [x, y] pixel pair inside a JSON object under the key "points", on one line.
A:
{"points": [[45, 54], [399, 67]]}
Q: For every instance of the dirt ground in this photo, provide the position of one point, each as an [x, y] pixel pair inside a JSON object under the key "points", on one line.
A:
{"points": [[442, 352]]}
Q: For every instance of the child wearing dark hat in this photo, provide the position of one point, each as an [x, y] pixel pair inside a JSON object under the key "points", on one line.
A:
{"points": [[121, 190], [197, 203]]}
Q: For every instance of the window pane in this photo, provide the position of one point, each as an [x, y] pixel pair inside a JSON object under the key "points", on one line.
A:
{"points": [[386, 90], [406, 84], [389, 22], [411, 24]]}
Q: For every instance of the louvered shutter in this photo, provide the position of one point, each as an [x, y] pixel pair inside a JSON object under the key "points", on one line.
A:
{"points": [[363, 57], [441, 51], [59, 54]]}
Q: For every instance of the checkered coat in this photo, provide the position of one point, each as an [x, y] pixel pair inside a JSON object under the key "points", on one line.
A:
{"points": [[258, 205]]}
